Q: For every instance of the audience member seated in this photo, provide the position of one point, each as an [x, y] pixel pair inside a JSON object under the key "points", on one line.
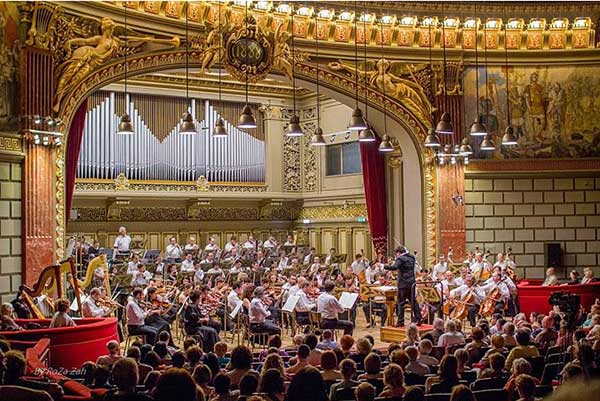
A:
{"points": [[301, 360], [451, 336], [497, 347], [114, 354], [248, 385], [241, 363], [438, 330], [273, 361], [222, 386], [477, 339], [272, 386], [526, 387], [425, 347], [329, 366], [7, 323], [414, 393], [348, 370], [462, 393], [373, 374], [177, 385], [365, 392], [203, 377], [125, 378], [547, 337], [523, 349], [314, 358], [221, 352], [363, 348], [307, 385], [412, 336], [393, 378], [327, 342], [61, 318], [101, 376], [521, 366], [150, 382], [496, 369], [447, 378], [508, 334], [346, 344], [15, 369], [414, 366], [273, 342]]}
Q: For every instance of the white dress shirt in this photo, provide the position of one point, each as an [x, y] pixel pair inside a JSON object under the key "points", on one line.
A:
{"points": [[372, 272], [358, 267], [307, 258], [122, 243], [199, 276], [460, 293], [249, 245], [504, 291], [294, 290], [328, 306], [187, 265], [444, 285], [232, 299], [229, 246], [258, 313], [268, 244], [282, 263], [439, 269], [211, 247], [476, 268], [141, 279], [132, 267], [90, 309], [304, 303], [135, 314], [173, 251], [160, 267], [61, 319]]}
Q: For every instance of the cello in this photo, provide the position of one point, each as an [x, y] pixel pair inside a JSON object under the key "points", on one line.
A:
{"points": [[488, 306], [462, 306]]}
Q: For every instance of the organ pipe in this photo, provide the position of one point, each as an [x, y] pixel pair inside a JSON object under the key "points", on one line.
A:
{"points": [[166, 155]]}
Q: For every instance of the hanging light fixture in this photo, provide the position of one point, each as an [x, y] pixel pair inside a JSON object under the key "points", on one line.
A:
{"points": [[188, 126], [386, 144], [508, 139], [366, 135], [125, 125], [220, 131], [465, 147], [357, 122], [432, 140], [317, 139], [488, 143], [294, 128], [444, 126], [477, 128], [247, 119]]}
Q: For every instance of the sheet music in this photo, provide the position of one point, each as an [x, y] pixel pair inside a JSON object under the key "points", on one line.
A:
{"points": [[291, 302], [236, 310], [348, 299], [384, 288]]}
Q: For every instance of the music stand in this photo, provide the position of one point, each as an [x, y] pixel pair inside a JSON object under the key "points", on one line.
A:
{"points": [[150, 255], [288, 249]]}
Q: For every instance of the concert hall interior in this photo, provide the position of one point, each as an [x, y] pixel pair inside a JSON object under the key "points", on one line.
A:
{"points": [[299, 200]]}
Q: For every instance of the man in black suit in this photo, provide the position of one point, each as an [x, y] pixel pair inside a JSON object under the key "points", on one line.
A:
{"points": [[405, 265]]}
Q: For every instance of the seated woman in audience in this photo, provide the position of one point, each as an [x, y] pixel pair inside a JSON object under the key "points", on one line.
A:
{"points": [[151, 380], [212, 362], [274, 342], [221, 352], [61, 318], [307, 385], [451, 336], [412, 336], [222, 385], [301, 360], [241, 363], [271, 384], [273, 361], [588, 276], [508, 333], [496, 347], [365, 392], [414, 366], [547, 337], [447, 378], [329, 365], [363, 348], [348, 370], [425, 348], [520, 367], [496, 368], [524, 349], [327, 341], [177, 384], [7, 322], [314, 358], [346, 344], [399, 357], [373, 374], [462, 393], [248, 385], [462, 357], [203, 376], [393, 378], [125, 377], [477, 339], [526, 387], [573, 278]]}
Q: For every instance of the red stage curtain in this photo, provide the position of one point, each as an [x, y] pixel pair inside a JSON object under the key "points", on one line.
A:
{"points": [[72, 156], [373, 172]]}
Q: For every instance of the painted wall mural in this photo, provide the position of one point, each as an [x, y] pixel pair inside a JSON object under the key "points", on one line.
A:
{"points": [[553, 109], [9, 17]]}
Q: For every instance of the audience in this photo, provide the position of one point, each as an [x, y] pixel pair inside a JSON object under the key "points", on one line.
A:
{"points": [[327, 343], [272, 385], [365, 392], [301, 360], [329, 365], [348, 370], [222, 387], [526, 387], [307, 385], [523, 349], [114, 354], [448, 376], [393, 378], [451, 336], [425, 347], [462, 393], [414, 366]]}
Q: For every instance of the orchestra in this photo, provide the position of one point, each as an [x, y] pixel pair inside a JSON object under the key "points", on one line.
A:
{"points": [[204, 285]]}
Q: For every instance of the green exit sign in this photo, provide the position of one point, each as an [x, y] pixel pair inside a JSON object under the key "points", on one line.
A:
{"points": [[361, 219]]}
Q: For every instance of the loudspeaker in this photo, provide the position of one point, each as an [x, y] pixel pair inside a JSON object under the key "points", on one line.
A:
{"points": [[553, 253]]}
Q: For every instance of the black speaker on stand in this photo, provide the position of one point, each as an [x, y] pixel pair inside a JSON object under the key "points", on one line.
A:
{"points": [[553, 254]]}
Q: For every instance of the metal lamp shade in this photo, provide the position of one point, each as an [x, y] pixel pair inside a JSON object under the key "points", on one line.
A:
{"points": [[247, 119], [444, 126], [125, 126], [219, 131], [188, 127], [357, 122], [294, 128]]}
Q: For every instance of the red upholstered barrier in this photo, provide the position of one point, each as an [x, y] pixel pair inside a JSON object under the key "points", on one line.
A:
{"points": [[70, 346], [534, 298]]}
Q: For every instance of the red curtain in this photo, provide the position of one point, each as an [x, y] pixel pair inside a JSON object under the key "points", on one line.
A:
{"points": [[72, 156], [373, 172]]}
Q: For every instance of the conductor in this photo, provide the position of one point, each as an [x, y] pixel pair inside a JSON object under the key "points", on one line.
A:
{"points": [[405, 265]]}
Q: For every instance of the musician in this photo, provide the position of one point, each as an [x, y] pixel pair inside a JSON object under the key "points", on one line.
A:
{"points": [[93, 250], [551, 278], [136, 318], [122, 242], [209, 259], [91, 307], [470, 259], [464, 292], [231, 244], [311, 254], [133, 264], [295, 284], [211, 246], [270, 243], [372, 272], [215, 269], [167, 310], [97, 277], [188, 263], [481, 268], [304, 305], [191, 246], [464, 272], [503, 262], [260, 259], [405, 265], [160, 265], [173, 251], [447, 283], [258, 314], [497, 283], [236, 268], [61, 318], [359, 265], [283, 261], [209, 303], [250, 244], [289, 241], [196, 320], [141, 277], [172, 272], [233, 298], [294, 264], [199, 275], [329, 307], [315, 266], [321, 277], [440, 268], [20, 306], [329, 258]]}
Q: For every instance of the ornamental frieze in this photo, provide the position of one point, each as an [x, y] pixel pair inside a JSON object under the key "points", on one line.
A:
{"points": [[333, 212]]}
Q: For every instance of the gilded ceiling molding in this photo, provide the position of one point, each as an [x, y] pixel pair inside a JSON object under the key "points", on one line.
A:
{"points": [[123, 185], [350, 211]]}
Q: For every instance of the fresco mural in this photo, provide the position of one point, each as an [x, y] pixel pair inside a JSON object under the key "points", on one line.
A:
{"points": [[9, 16], [554, 110]]}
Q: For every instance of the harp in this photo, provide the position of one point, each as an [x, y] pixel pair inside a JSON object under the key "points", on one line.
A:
{"points": [[50, 282], [97, 262]]}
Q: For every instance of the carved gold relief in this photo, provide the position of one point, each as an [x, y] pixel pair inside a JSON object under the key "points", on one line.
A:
{"points": [[333, 212], [202, 184], [60, 203], [9, 56], [122, 183], [11, 144], [126, 185], [291, 164]]}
